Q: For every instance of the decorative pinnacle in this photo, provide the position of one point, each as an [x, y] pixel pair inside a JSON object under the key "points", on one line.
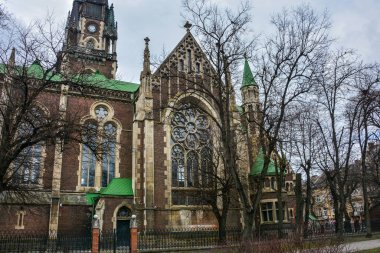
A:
{"points": [[12, 58], [188, 25], [147, 40]]}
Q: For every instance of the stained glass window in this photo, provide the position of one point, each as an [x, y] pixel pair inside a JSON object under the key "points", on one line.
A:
{"points": [[28, 165], [109, 153], [191, 152], [88, 155], [101, 112]]}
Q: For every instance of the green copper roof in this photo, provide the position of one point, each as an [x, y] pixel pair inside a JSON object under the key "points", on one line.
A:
{"points": [[257, 167], [100, 81], [247, 76], [95, 79], [91, 197], [119, 187]]}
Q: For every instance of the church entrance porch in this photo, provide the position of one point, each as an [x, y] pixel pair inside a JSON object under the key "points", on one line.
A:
{"points": [[123, 235]]}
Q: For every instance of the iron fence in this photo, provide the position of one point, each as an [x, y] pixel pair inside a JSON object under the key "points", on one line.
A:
{"points": [[37, 242], [111, 242], [185, 238]]}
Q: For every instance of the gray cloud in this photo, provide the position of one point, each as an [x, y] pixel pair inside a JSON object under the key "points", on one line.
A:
{"points": [[355, 24]]}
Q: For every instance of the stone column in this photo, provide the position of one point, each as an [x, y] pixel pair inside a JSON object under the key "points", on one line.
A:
{"points": [[57, 170]]}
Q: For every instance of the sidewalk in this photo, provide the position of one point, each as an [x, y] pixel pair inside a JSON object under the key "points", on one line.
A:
{"points": [[363, 245]]}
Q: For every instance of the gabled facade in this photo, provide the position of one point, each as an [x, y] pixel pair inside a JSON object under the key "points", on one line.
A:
{"points": [[161, 137]]}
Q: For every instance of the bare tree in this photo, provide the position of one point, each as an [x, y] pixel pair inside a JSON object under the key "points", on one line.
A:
{"points": [[222, 34], [306, 146], [336, 126], [286, 70], [367, 84], [31, 117]]}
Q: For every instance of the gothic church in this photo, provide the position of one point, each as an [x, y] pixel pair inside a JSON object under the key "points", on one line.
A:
{"points": [[150, 170]]}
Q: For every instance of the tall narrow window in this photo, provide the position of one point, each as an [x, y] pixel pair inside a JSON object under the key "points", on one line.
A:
{"points": [[88, 155], [189, 61], [28, 165], [181, 66], [109, 153], [20, 220], [267, 211], [190, 154], [206, 163], [198, 67]]}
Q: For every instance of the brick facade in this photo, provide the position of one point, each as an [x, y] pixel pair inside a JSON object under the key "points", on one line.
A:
{"points": [[144, 140]]}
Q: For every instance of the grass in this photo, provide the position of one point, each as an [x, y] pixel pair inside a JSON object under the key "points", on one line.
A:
{"points": [[359, 238], [377, 250]]}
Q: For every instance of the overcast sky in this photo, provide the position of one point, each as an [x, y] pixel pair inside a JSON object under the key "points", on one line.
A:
{"points": [[355, 23]]}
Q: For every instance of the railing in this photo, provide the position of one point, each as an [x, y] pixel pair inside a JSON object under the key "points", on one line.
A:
{"points": [[110, 241], [36, 242], [185, 238]]}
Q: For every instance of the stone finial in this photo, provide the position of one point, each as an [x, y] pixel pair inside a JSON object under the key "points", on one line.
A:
{"points": [[188, 25], [147, 41], [146, 67]]}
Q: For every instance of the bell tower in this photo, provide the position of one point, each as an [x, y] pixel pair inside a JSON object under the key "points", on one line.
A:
{"points": [[91, 36]]}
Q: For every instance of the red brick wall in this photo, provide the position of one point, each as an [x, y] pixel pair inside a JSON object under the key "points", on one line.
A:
{"points": [[111, 204], [79, 107], [74, 220], [36, 218]]}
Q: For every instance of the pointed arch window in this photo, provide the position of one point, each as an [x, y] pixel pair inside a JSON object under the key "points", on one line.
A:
{"points": [[28, 166], [191, 154], [90, 44], [88, 155], [109, 153], [99, 157]]}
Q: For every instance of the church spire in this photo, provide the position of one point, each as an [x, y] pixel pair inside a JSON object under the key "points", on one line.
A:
{"points": [[248, 79], [12, 58]]}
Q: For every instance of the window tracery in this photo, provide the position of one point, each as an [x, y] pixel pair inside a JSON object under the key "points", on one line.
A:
{"points": [[100, 135], [191, 153], [28, 165]]}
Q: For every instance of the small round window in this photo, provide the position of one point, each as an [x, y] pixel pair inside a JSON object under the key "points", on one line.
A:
{"points": [[101, 112]]}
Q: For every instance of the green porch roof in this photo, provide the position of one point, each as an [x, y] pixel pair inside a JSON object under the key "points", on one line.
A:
{"points": [[257, 167], [121, 187], [96, 79], [248, 79]]}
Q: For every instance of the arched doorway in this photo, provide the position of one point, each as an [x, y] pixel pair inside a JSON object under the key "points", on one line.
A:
{"points": [[123, 219]]}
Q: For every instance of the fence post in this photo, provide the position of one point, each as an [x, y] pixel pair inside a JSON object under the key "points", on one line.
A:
{"points": [[95, 235], [133, 234]]}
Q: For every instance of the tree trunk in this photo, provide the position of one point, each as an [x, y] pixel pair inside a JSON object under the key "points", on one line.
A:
{"points": [[308, 201], [299, 204]]}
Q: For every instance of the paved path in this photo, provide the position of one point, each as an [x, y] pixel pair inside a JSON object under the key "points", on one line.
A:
{"points": [[363, 245]]}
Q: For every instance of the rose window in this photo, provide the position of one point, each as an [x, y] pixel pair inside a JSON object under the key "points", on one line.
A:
{"points": [[191, 152]]}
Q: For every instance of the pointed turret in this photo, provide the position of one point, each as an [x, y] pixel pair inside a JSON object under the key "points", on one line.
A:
{"points": [[145, 76], [146, 65], [250, 93], [111, 17], [12, 58], [248, 79]]}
